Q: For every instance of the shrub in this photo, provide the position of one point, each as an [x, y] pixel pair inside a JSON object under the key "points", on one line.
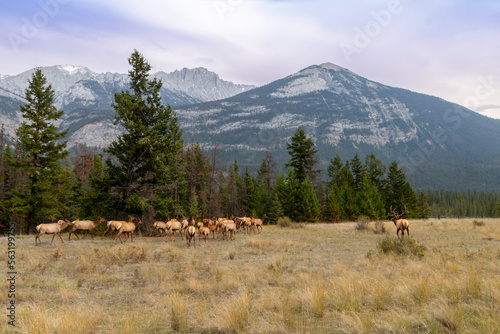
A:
{"points": [[284, 222], [362, 223], [478, 223], [403, 246]]}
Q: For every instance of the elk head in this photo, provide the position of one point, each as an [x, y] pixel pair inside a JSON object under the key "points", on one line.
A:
{"points": [[395, 216]]}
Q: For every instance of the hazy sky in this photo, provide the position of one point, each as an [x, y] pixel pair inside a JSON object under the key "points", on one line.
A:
{"points": [[445, 48]]}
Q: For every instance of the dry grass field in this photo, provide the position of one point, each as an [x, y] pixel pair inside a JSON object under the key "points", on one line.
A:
{"points": [[323, 278]]}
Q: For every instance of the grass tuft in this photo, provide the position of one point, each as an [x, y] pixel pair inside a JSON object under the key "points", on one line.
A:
{"points": [[178, 313]]}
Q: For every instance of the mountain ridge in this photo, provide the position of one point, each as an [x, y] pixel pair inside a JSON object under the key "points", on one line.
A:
{"points": [[440, 144]]}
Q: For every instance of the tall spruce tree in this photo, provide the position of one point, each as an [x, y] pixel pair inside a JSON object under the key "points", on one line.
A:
{"points": [[303, 156], [43, 147], [398, 192], [150, 149]]}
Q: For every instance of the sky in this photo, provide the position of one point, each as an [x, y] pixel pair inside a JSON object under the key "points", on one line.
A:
{"points": [[446, 48]]}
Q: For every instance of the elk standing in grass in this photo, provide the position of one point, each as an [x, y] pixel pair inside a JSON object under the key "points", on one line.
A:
{"points": [[191, 234], [172, 226], [85, 225], [258, 222], [159, 226], [54, 228], [113, 224], [129, 228], [401, 224]]}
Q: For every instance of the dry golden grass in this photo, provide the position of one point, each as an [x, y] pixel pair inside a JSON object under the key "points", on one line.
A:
{"points": [[323, 278]]}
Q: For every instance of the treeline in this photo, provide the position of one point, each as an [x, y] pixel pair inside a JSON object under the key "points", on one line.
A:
{"points": [[463, 204], [149, 171]]}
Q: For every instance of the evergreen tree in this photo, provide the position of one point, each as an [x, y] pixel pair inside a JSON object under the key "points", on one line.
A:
{"points": [[334, 172], [303, 153], [267, 172], [47, 179], [398, 192], [423, 209], [376, 170], [307, 206], [332, 211], [286, 189], [148, 152], [274, 210], [358, 171], [369, 201]]}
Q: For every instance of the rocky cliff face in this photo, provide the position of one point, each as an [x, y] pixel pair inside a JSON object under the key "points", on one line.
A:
{"points": [[86, 97]]}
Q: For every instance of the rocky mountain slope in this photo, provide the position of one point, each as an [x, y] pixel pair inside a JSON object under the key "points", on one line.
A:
{"points": [[86, 97], [440, 144]]}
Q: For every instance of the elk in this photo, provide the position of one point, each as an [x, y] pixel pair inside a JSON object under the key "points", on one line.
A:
{"points": [[54, 228], [205, 232], [159, 226], [85, 225], [401, 224], [258, 222], [127, 227], [191, 234], [113, 224], [172, 226]]}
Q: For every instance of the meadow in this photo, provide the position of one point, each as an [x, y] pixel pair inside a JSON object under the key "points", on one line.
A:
{"points": [[312, 278]]}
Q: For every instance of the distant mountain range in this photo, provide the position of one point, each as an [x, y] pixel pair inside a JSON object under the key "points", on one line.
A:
{"points": [[440, 144]]}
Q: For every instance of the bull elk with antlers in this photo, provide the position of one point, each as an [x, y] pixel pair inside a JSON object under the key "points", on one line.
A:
{"points": [[401, 224]]}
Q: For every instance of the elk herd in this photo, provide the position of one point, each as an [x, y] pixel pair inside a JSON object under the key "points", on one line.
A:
{"points": [[223, 228]]}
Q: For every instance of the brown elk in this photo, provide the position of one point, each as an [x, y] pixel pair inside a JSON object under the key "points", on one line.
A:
{"points": [[401, 224]]}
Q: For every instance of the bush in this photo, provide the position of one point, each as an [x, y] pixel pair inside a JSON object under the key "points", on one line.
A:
{"points": [[287, 222], [403, 246], [284, 222], [362, 223], [478, 223]]}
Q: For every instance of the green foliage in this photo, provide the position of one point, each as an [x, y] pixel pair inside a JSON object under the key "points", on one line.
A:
{"points": [[402, 247], [463, 204], [369, 201], [303, 156], [148, 153], [423, 209], [44, 195], [274, 210]]}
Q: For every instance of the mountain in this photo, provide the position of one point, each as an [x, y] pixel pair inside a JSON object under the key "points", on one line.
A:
{"points": [[86, 97], [439, 144]]}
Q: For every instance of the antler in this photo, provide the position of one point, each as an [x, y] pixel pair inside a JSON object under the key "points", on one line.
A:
{"points": [[395, 214]]}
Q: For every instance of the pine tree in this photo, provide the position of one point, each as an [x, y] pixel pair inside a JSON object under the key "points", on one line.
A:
{"points": [[376, 170], [47, 179], [334, 169], [398, 192], [369, 201], [149, 151], [358, 171], [303, 153], [423, 209], [307, 206], [332, 211], [274, 210]]}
